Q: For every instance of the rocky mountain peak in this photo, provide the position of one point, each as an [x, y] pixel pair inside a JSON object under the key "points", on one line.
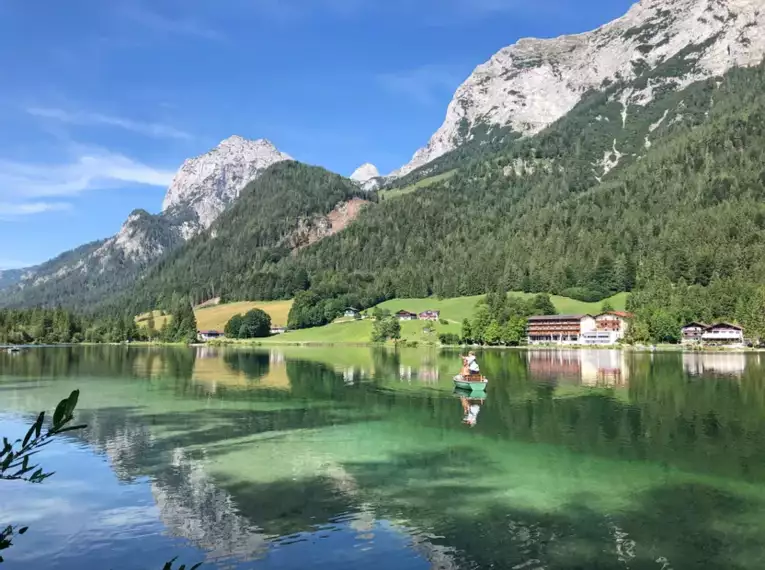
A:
{"points": [[365, 172], [207, 184], [531, 84]]}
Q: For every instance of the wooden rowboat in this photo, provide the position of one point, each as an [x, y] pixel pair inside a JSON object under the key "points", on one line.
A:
{"points": [[471, 383]]}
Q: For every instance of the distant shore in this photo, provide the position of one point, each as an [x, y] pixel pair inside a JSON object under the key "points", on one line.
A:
{"points": [[267, 343], [271, 342]]}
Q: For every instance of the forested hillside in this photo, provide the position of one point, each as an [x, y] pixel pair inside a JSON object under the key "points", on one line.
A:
{"points": [[689, 208], [277, 214]]}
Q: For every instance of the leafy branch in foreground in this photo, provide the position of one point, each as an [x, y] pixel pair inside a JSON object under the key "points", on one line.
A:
{"points": [[169, 565], [15, 462], [15, 456]]}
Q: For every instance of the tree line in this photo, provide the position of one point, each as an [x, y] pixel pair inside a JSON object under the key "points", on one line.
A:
{"points": [[62, 326]]}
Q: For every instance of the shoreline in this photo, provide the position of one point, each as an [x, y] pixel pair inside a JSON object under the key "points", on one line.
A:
{"points": [[622, 347], [664, 348]]}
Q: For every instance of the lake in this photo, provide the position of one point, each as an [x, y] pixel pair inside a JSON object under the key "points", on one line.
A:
{"points": [[293, 458]]}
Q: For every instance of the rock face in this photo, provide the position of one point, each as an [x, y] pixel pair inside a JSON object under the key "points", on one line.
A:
{"points": [[206, 185], [367, 176], [365, 172], [528, 86], [310, 231]]}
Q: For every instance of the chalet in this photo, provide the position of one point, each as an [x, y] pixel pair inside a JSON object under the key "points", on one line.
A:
{"points": [[559, 329], [278, 330], [724, 334], [692, 333], [610, 328], [429, 315], [351, 313], [406, 316], [204, 336]]}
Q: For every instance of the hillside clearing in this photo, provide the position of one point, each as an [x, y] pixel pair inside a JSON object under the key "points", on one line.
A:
{"points": [[459, 308], [215, 317], [424, 183]]}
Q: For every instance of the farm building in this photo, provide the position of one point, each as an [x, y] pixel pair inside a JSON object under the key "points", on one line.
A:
{"points": [[429, 315], [204, 336], [406, 316]]}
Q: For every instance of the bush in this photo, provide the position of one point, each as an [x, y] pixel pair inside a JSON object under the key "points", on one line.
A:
{"points": [[254, 324], [586, 294], [386, 328], [450, 339]]}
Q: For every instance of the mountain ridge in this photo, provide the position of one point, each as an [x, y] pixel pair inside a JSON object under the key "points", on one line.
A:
{"points": [[530, 84]]}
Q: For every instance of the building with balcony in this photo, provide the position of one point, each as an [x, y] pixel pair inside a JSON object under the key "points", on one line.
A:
{"points": [[692, 333], [723, 334], [559, 329], [610, 328]]}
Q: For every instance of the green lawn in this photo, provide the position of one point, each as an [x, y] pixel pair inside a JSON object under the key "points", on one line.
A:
{"points": [[424, 183], [459, 308], [361, 332], [453, 310]]}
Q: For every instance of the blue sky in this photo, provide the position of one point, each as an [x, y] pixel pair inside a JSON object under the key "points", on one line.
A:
{"points": [[102, 101]]}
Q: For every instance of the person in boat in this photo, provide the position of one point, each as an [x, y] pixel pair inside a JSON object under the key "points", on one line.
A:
{"points": [[471, 364]]}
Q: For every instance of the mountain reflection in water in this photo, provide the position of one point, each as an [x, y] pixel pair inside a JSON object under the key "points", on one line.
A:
{"points": [[353, 458]]}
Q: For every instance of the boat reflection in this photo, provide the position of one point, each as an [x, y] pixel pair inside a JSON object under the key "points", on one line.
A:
{"points": [[471, 406]]}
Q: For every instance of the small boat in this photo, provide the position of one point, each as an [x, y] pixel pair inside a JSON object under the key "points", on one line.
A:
{"points": [[13, 349], [470, 383]]}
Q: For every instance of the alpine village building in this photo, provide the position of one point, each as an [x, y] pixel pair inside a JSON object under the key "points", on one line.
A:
{"points": [[604, 329], [719, 334]]}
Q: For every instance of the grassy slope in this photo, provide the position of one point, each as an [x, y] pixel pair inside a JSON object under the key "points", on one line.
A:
{"points": [[453, 310], [460, 308], [216, 317], [361, 332], [424, 183]]}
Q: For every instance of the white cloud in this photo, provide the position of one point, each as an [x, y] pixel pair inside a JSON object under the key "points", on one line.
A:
{"points": [[10, 210], [24, 187], [421, 84], [92, 170], [156, 130]]}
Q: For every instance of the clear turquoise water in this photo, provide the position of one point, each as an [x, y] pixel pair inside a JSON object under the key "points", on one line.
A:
{"points": [[360, 458]]}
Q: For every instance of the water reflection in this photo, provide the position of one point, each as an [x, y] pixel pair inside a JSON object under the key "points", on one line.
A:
{"points": [[583, 367], [274, 459], [715, 363]]}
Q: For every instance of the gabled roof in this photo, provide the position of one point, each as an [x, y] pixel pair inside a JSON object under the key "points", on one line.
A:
{"points": [[403, 312], [700, 325], [725, 325], [622, 314]]}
